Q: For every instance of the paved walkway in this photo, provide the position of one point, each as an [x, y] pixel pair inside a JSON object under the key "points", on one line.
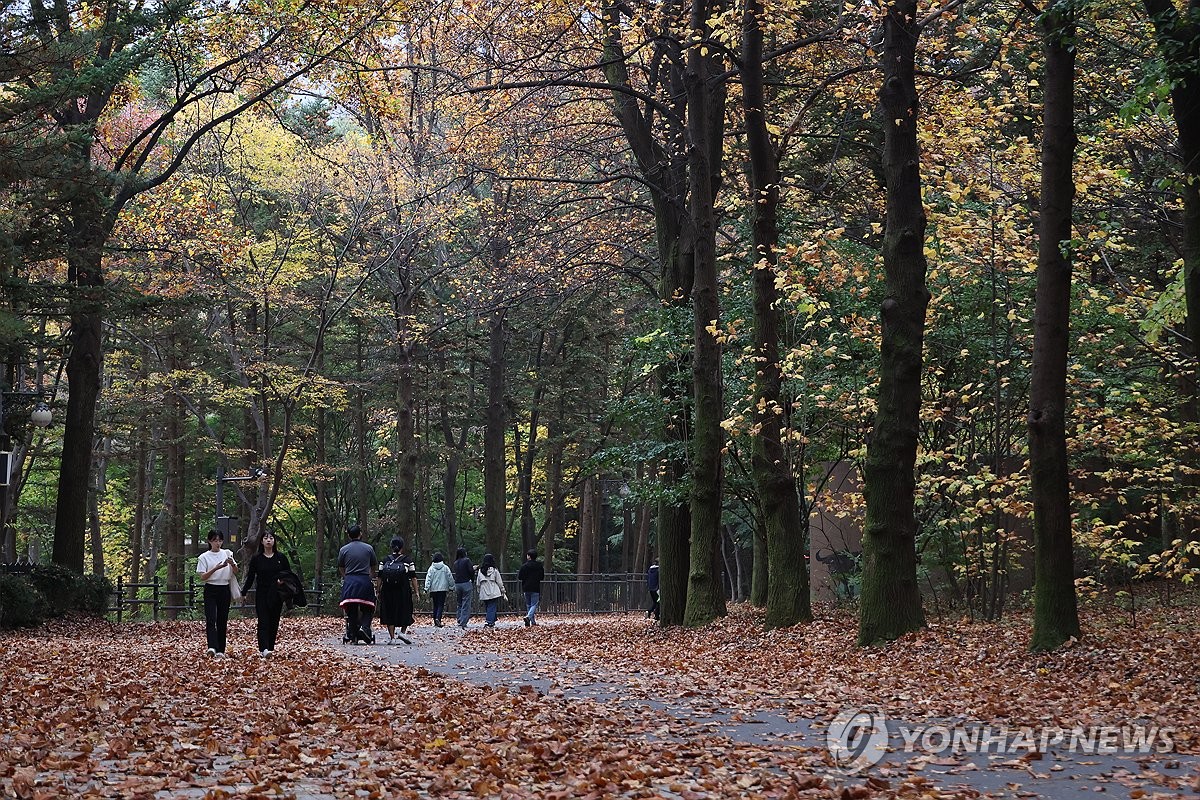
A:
{"points": [[1056, 774]]}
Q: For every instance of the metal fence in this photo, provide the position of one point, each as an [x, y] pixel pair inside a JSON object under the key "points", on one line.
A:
{"points": [[561, 594]]}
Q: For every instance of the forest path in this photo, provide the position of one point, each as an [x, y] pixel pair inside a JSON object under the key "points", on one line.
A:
{"points": [[478, 656]]}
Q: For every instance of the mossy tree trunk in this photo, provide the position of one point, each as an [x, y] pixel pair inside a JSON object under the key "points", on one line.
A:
{"points": [[1055, 616], [705, 111], [891, 601], [787, 592]]}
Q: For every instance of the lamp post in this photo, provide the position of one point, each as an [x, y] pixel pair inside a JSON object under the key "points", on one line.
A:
{"points": [[40, 416], [228, 526]]}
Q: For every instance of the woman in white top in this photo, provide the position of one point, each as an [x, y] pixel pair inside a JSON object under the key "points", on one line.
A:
{"points": [[216, 568], [490, 587]]}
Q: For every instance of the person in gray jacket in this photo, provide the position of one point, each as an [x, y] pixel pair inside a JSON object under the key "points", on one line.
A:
{"points": [[439, 580]]}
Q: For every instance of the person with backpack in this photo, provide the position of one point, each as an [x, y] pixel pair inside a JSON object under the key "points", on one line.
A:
{"points": [[464, 584], [397, 588], [357, 563], [439, 580], [531, 575], [491, 587]]}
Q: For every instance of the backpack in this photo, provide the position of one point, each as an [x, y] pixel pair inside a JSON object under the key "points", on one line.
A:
{"points": [[392, 571]]}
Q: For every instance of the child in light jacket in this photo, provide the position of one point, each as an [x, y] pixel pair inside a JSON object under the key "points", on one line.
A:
{"points": [[439, 580]]}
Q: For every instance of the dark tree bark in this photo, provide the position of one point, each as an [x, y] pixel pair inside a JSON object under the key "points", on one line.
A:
{"points": [[556, 518], [174, 487], [663, 165], [495, 479], [83, 378], [405, 404], [787, 593], [705, 115], [362, 471], [1055, 615], [891, 600], [1178, 39], [141, 491]]}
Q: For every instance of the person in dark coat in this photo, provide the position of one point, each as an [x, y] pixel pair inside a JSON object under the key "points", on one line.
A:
{"points": [[264, 574], [531, 575], [652, 589], [396, 593]]}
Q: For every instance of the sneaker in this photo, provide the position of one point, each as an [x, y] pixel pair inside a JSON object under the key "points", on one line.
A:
{"points": [[220, 655], [527, 622], [264, 653], [404, 638], [210, 652]]}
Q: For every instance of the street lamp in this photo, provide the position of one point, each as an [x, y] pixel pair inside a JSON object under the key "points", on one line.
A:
{"points": [[228, 526]]}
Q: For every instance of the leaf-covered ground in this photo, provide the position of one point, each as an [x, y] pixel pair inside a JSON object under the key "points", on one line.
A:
{"points": [[1118, 673], [98, 710]]}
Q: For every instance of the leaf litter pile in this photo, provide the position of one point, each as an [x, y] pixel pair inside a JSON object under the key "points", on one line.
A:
{"points": [[99, 710]]}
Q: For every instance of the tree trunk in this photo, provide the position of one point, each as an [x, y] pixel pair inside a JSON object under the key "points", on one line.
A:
{"points": [[787, 594], [454, 451], [79, 424], [141, 492], [706, 101], [361, 507], [321, 500], [663, 164], [1179, 48], [759, 569], [406, 445], [556, 518], [495, 479], [100, 484], [891, 600], [174, 493], [1055, 616]]}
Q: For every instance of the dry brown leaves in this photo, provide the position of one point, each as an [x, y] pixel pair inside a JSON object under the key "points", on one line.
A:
{"points": [[1117, 674], [97, 710]]}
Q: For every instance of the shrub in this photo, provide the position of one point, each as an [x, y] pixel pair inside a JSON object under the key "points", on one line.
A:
{"points": [[71, 593], [21, 604], [94, 593]]}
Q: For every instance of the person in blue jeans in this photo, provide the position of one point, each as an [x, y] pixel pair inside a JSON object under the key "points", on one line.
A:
{"points": [[464, 584], [531, 575], [490, 584]]}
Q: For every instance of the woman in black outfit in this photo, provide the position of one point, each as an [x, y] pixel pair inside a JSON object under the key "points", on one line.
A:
{"points": [[396, 596], [264, 571]]}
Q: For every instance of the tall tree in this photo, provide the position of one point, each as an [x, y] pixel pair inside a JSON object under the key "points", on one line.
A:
{"points": [[786, 547], [891, 600], [706, 110], [1055, 612], [76, 63]]}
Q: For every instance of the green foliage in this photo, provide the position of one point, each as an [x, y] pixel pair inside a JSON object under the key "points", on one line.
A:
{"points": [[22, 605], [69, 593]]}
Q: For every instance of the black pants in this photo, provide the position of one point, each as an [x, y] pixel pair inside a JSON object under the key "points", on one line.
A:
{"points": [[439, 605], [268, 609], [653, 610], [216, 615], [358, 618]]}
